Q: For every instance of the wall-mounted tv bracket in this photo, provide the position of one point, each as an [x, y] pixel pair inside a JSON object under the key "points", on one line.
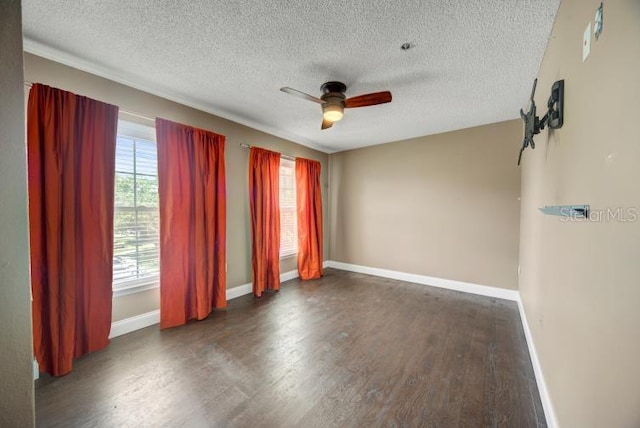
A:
{"points": [[531, 124], [555, 107], [554, 117]]}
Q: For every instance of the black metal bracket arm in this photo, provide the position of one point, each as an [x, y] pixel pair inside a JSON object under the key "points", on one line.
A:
{"points": [[554, 117], [531, 123], [555, 105]]}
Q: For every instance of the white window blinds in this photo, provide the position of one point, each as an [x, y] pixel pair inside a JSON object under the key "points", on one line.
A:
{"points": [[288, 218], [136, 255]]}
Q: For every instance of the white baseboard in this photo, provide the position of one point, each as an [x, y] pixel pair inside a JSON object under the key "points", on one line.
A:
{"points": [[549, 413], [467, 287], [244, 289], [240, 290], [288, 276], [127, 325]]}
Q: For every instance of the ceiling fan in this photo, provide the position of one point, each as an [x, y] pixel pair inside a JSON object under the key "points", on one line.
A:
{"points": [[334, 101]]}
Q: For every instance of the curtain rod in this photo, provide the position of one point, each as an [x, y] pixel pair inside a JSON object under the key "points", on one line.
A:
{"points": [[142, 116], [130, 113], [283, 155], [138, 115]]}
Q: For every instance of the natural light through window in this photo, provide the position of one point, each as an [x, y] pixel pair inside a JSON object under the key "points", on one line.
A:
{"points": [[288, 218], [136, 256]]}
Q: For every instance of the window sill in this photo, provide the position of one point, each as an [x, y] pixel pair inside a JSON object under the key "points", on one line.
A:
{"points": [[136, 287], [288, 256]]}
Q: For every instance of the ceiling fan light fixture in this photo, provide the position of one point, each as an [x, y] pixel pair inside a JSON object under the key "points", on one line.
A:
{"points": [[332, 112]]}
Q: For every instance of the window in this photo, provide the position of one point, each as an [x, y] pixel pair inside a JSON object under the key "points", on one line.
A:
{"points": [[288, 217], [136, 255]]}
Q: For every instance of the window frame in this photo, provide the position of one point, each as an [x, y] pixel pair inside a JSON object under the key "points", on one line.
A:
{"points": [[146, 133]]}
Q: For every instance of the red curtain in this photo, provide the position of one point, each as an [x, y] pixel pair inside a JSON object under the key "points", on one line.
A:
{"points": [[309, 207], [264, 200], [71, 147], [192, 191]]}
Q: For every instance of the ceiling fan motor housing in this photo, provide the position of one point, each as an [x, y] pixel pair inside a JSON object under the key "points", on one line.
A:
{"points": [[333, 87], [333, 94]]}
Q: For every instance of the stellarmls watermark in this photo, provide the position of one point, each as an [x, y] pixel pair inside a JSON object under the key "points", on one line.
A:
{"points": [[620, 214]]}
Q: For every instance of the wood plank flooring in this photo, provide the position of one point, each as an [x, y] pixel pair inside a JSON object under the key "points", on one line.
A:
{"points": [[348, 350]]}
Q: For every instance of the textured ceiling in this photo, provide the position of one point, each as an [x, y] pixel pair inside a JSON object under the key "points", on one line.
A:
{"points": [[473, 61]]}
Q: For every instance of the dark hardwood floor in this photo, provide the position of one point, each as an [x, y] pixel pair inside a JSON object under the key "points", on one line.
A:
{"points": [[348, 350]]}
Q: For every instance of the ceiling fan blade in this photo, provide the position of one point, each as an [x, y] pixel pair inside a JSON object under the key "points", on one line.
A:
{"points": [[326, 124], [300, 94], [368, 99]]}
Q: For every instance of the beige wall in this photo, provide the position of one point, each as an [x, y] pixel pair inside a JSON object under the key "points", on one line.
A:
{"points": [[41, 70], [16, 356], [580, 281], [443, 205]]}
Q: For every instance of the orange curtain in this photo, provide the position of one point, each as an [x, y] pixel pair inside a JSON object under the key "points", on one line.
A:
{"points": [[71, 147], [264, 199], [192, 192], [309, 207]]}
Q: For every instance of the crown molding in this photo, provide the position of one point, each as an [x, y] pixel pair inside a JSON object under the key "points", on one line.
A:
{"points": [[40, 49]]}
